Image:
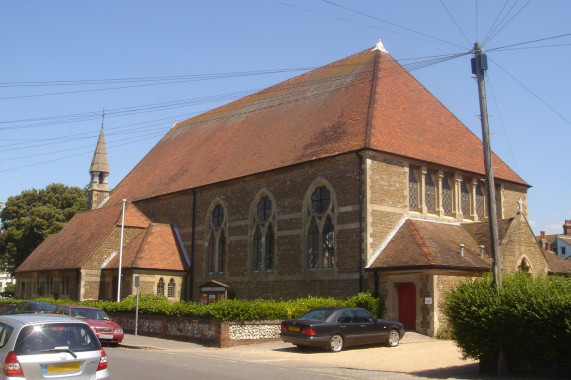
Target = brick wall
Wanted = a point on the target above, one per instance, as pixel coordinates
(289, 189)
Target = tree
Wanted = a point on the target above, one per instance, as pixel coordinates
(28, 218)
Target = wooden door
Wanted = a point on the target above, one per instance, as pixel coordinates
(407, 305)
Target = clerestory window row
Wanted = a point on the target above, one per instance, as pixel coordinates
(446, 195)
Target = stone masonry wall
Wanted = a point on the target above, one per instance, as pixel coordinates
(288, 188)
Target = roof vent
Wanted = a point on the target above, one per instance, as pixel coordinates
(461, 249)
(481, 251)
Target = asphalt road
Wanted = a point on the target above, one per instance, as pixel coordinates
(417, 357)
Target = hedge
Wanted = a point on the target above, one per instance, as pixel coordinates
(228, 310)
(528, 317)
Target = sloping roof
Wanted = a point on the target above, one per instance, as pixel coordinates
(73, 245)
(556, 264)
(365, 101)
(425, 244)
(156, 249)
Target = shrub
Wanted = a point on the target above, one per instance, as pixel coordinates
(230, 309)
(529, 316)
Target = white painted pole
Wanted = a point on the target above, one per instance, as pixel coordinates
(121, 253)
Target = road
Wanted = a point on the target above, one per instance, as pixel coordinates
(423, 360)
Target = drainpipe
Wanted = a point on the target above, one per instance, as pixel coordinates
(191, 275)
(360, 162)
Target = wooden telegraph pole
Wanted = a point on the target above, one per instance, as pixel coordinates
(479, 65)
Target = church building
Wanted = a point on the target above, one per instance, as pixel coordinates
(351, 177)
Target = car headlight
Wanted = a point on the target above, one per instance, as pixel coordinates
(118, 331)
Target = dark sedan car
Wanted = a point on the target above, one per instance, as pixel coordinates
(337, 327)
(32, 307)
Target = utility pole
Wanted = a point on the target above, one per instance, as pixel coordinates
(479, 65)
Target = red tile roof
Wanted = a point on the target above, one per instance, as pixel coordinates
(156, 248)
(365, 101)
(74, 244)
(425, 244)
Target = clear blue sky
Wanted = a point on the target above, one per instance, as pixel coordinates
(151, 63)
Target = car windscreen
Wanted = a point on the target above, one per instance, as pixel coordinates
(52, 336)
(45, 307)
(88, 313)
(316, 315)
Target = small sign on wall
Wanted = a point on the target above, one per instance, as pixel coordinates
(428, 300)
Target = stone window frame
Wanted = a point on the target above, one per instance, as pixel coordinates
(161, 287)
(171, 288)
(315, 223)
(263, 242)
(471, 206)
(216, 238)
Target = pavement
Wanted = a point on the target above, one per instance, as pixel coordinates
(150, 343)
(417, 355)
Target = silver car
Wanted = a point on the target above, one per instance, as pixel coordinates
(47, 346)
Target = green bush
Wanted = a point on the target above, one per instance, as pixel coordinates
(529, 316)
(228, 310)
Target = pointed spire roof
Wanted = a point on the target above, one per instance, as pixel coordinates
(366, 101)
(99, 162)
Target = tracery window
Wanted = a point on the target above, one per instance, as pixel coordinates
(263, 242)
(320, 230)
(161, 287)
(412, 191)
(479, 202)
(217, 240)
(170, 288)
(465, 200)
(446, 197)
(430, 191)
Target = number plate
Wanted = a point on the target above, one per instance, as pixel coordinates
(291, 328)
(62, 367)
(106, 336)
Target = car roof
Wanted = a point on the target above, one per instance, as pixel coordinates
(81, 307)
(32, 319)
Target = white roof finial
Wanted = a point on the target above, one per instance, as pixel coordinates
(380, 47)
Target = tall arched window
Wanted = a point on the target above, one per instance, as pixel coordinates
(161, 287)
(320, 230)
(446, 197)
(412, 191)
(430, 194)
(479, 202)
(216, 239)
(263, 244)
(465, 200)
(170, 288)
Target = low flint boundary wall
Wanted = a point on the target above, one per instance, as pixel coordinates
(202, 331)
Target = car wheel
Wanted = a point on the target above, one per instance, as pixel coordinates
(394, 338)
(336, 343)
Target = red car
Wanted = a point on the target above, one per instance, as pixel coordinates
(104, 328)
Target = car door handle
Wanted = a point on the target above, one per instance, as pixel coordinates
(343, 326)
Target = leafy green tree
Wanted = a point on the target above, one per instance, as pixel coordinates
(28, 218)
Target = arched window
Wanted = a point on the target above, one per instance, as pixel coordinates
(263, 244)
(412, 191)
(465, 200)
(525, 266)
(479, 202)
(430, 194)
(170, 288)
(446, 197)
(320, 230)
(216, 238)
(161, 287)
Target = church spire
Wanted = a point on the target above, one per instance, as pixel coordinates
(98, 189)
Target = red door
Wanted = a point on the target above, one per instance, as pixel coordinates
(407, 305)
